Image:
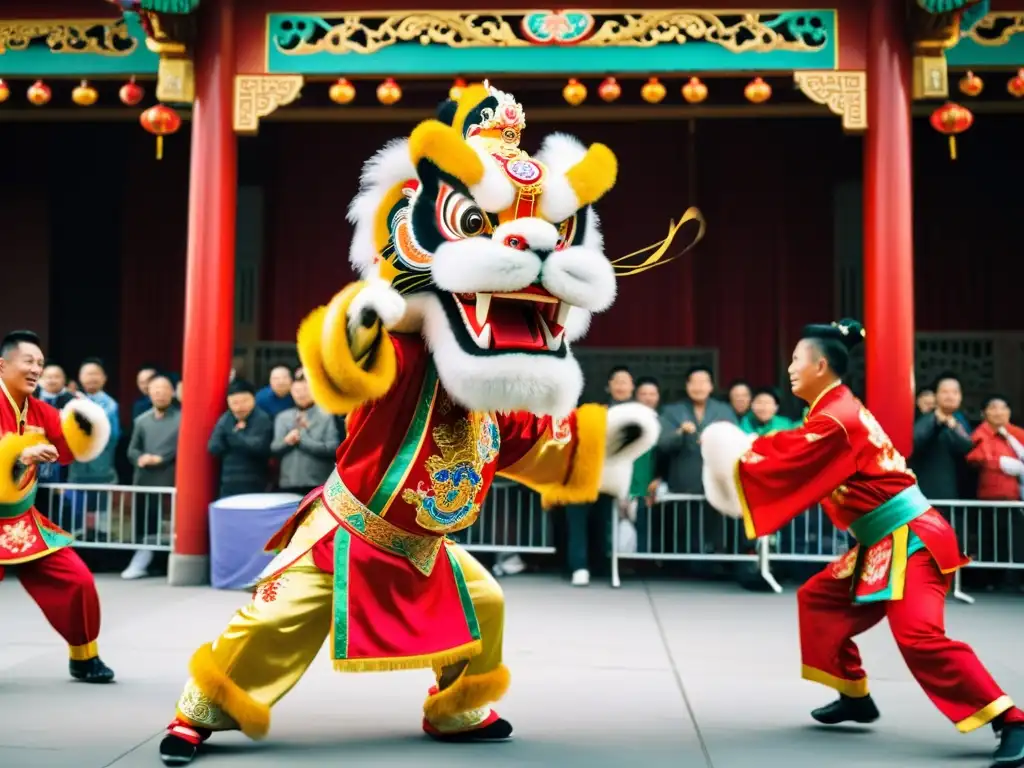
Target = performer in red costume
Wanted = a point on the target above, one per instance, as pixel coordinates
(31, 547)
(901, 568)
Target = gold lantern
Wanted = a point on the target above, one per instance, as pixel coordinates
(84, 94)
(574, 92)
(695, 91)
(39, 93)
(653, 91)
(342, 92)
(757, 91)
(609, 90)
(1015, 87)
(5, 92)
(388, 92)
(971, 85)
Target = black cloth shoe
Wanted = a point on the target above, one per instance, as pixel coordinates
(1010, 753)
(846, 709)
(175, 750)
(91, 671)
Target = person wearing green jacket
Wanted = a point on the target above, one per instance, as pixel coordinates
(763, 417)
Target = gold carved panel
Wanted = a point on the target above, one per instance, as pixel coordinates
(257, 96)
(97, 36)
(844, 93)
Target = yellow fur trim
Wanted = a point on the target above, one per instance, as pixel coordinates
(749, 527)
(381, 230)
(584, 478)
(470, 98)
(84, 652)
(985, 715)
(11, 447)
(444, 147)
(424, 661)
(339, 383)
(594, 175)
(467, 693)
(253, 717)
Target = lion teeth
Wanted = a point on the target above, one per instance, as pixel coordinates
(563, 313)
(484, 339)
(554, 342)
(483, 306)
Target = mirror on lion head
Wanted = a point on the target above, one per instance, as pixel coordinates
(498, 253)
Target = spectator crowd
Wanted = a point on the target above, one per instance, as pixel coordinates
(276, 437)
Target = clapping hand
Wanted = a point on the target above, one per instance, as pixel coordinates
(292, 438)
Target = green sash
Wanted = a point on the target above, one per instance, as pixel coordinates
(903, 508)
(19, 507)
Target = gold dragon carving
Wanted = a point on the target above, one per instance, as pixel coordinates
(97, 36)
(844, 93)
(997, 28)
(644, 29)
(257, 96)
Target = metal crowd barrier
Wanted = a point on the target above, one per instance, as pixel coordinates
(111, 516)
(684, 527)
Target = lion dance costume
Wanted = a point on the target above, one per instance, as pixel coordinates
(480, 265)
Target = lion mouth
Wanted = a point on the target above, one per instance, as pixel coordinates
(530, 320)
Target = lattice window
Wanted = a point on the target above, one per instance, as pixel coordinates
(971, 358)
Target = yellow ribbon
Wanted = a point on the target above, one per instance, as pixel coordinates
(660, 248)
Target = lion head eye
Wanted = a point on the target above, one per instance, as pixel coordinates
(458, 217)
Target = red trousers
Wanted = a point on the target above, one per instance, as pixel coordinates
(65, 591)
(948, 670)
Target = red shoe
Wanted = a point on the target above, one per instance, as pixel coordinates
(494, 728)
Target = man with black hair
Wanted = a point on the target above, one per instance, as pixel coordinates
(942, 440)
(92, 375)
(37, 552)
(241, 440)
(902, 566)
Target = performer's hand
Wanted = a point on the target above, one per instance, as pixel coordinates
(239, 426)
(687, 428)
(292, 438)
(43, 453)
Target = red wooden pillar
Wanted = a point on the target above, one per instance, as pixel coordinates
(888, 225)
(209, 287)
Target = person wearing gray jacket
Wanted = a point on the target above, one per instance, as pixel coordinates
(679, 446)
(305, 440)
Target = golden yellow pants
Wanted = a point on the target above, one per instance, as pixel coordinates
(270, 643)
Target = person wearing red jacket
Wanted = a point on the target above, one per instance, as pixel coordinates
(998, 454)
(902, 566)
(32, 548)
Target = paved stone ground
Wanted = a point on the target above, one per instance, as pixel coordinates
(679, 674)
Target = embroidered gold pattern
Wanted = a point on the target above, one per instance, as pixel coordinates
(420, 550)
(844, 566)
(18, 537)
(462, 721)
(200, 709)
(456, 476)
(838, 496)
(889, 459)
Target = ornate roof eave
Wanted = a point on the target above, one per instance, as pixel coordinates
(935, 26)
(170, 27)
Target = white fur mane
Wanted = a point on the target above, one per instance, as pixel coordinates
(388, 167)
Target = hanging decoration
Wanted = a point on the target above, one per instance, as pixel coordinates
(160, 120)
(131, 93)
(952, 119)
(342, 92)
(1015, 86)
(695, 91)
(388, 92)
(653, 91)
(456, 90)
(39, 93)
(5, 92)
(574, 92)
(757, 91)
(84, 94)
(971, 85)
(609, 90)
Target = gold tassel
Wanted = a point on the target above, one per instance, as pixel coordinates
(159, 147)
(952, 147)
(656, 259)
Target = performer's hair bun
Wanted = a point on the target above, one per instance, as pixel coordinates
(836, 341)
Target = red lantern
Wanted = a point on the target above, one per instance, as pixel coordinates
(609, 89)
(388, 92)
(951, 119)
(84, 94)
(131, 93)
(757, 91)
(342, 92)
(653, 91)
(455, 92)
(574, 92)
(5, 92)
(1016, 84)
(160, 120)
(695, 91)
(971, 84)
(39, 93)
